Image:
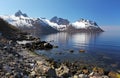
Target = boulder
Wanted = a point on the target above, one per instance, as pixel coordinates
(62, 70)
(51, 73)
(112, 74)
(48, 46)
(98, 70)
(83, 76)
(104, 76)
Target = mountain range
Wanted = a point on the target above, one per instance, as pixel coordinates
(55, 24)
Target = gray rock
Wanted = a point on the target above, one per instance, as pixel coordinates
(48, 45)
(51, 73)
(118, 71)
(83, 76)
(75, 76)
(104, 76)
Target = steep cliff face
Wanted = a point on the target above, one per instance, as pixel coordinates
(7, 29)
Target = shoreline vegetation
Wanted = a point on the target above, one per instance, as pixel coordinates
(20, 61)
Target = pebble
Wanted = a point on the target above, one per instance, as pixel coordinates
(33, 73)
(32, 64)
(104, 76)
(75, 76)
(83, 76)
(118, 71)
(81, 51)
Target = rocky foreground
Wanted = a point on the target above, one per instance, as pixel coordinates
(17, 61)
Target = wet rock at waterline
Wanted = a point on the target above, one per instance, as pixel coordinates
(39, 45)
(81, 51)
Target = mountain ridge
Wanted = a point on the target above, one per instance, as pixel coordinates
(19, 13)
(55, 24)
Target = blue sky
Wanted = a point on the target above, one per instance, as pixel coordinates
(104, 12)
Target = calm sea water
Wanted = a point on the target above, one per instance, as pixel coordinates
(102, 49)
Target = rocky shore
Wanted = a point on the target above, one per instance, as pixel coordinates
(18, 61)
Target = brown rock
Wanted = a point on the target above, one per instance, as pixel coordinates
(81, 51)
(85, 71)
(112, 74)
(98, 70)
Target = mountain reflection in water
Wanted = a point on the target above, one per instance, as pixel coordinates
(69, 40)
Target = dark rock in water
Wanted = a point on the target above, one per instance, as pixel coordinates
(55, 46)
(48, 45)
(38, 45)
(71, 51)
(43, 45)
(51, 73)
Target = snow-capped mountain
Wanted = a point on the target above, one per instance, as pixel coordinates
(43, 25)
(83, 23)
(61, 23)
(18, 21)
(25, 23)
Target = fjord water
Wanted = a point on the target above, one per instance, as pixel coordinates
(101, 49)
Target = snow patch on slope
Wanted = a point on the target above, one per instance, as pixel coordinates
(84, 24)
(79, 25)
(55, 25)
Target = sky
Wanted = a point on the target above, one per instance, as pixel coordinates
(104, 12)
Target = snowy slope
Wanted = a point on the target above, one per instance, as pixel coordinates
(17, 21)
(83, 23)
(55, 25)
(22, 21)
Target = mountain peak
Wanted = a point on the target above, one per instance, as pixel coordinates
(19, 13)
(83, 20)
(88, 21)
(60, 21)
